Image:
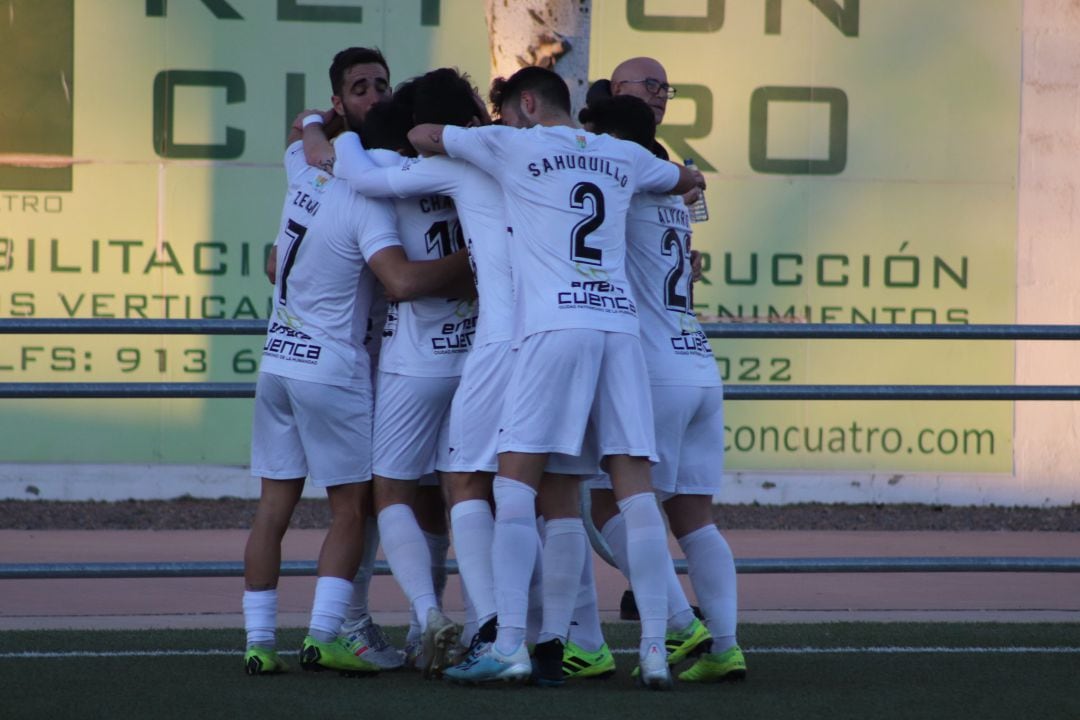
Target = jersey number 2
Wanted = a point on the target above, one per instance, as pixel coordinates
(580, 251)
(671, 244)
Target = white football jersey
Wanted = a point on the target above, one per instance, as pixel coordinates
(429, 336)
(324, 286)
(567, 193)
(658, 265)
(480, 209)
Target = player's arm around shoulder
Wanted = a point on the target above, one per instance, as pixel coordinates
(316, 129)
(406, 279)
(655, 174)
(427, 138)
(689, 179)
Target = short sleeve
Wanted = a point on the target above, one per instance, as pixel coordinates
(295, 162)
(378, 229)
(652, 173)
(486, 147)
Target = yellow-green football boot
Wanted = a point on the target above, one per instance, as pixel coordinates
(580, 663)
(263, 661)
(727, 666)
(682, 643)
(334, 655)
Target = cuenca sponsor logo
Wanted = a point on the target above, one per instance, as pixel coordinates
(600, 295)
(284, 349)
(278, 329)
(693, 343)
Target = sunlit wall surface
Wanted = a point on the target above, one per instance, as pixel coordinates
(861, 157)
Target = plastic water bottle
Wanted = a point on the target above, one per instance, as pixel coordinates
(699, 211)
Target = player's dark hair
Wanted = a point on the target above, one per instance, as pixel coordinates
(387, 123)
(542, 82)
(405, 93)
(599, 90)
(623, 116)
(444, 96)
(353, 56)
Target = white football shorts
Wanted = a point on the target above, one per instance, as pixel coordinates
(565, 381)
(412, 421)
(477, 408)
(476, 412)
(689, 441)
(308, 429)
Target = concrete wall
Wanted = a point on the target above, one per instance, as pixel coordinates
(1047, 441)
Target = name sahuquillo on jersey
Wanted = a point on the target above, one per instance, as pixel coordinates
(598, 165)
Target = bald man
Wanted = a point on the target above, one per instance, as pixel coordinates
(644, 78)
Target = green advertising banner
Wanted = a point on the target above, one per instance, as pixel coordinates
(862, 161)
(167, 120)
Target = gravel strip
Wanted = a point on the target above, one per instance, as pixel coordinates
(200, 514)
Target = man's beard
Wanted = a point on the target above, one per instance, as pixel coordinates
(352, 122)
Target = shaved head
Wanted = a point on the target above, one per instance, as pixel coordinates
(638, 68)
(629, 77)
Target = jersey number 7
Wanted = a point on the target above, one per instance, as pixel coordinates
(296, 233)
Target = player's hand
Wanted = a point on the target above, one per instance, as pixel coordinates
(699, 179)
(696, 265)
(327, 116)
(691, 197)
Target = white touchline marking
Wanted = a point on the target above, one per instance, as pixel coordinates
(847, 650)
(889, 650)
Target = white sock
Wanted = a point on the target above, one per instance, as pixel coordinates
(474, 534)
(614, 532)
(564, 552)
(712, 572)
(328, 610)
(412, 637)
(260, 618)
(358, 606)
(648, 557)
(513, 555)
(470, 626)
(585, 628)
(535, 617)
(410, 560)
(438, 546)
(680, 614)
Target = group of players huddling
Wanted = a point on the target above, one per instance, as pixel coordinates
(540, 333)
